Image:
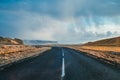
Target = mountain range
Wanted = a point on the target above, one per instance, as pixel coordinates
(39, 42)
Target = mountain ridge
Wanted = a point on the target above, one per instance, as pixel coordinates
(115, 41)
(39, 42)
(10, 41)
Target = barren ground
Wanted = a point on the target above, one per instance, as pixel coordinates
(107, 54)
(13, 53)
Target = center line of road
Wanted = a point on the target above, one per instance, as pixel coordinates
(63, 65)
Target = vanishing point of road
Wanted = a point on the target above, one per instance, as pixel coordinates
(60, 64)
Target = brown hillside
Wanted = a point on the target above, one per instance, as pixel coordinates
(10, 41)
(105, 42)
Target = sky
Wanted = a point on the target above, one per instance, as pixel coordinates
(65, 21)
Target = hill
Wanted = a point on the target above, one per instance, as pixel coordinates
(105, 42)
(10, 41)
(39, 42)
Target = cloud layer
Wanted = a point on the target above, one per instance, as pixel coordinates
(67, 21)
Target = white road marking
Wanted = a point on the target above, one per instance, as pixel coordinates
(63, 65)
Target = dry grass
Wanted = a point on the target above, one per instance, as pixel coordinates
(105, 42)
(111, 54)
(9, 54)
(102, 48)
(5, 49)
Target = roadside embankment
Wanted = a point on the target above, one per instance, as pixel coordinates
(110, 55)
(103, 48)
(13, 53)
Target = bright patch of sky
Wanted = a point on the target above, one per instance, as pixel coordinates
(66, 21)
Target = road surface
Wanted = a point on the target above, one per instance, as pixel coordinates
(59, 64)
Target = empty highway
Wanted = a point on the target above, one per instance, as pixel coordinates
(59, 64)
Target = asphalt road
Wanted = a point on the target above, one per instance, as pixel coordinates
(60, 64)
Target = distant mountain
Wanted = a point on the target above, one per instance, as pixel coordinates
(106, 42)
(10, 41)
(39, 42)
